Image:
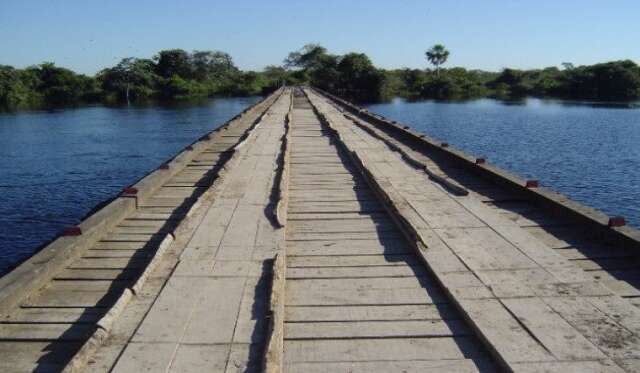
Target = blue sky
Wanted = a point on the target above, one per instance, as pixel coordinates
(89, 35)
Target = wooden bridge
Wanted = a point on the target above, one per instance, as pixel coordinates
(309, 235)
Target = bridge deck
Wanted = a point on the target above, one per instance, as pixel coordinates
(387, 267)
(357, 297)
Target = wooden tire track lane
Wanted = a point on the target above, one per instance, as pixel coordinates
(211, 312)
(92, 281)
(534, 310)
(357, 298)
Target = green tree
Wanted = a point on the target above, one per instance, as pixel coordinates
(131, 78)
(173, 62)
(510, 83)
(437, 55)
(209, 65)
(310, 56)
(59, 86)
(616, 80)
(13, 92)
(358, 78)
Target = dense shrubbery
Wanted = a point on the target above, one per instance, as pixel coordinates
(177, 74)
(454, 83)
(611, 81)
(353, 76)
(44, 84)
(171, 74)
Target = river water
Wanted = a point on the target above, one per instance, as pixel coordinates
(56, 166)
(589, 152)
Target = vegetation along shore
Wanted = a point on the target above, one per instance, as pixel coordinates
(177, 74)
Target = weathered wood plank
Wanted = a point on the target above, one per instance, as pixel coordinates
(371, 313)
(375, 329)
(348, 273)
(405, 366)
(380, 349)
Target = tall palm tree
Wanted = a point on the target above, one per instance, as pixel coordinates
(437, 55)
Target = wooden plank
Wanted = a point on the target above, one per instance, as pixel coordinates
(365, 297)
(144, 223)
(551, 330)
(311, 217)
(483, 249)
(342, 236)
(619, 309)
(337, 226)
(103, 245)
(199, 300)
(213, 320)
(141, 230)
(348, 273)
(165, 202)
(380, 349)
(146, 357)
(104, 286)
(375, 329)
(48, 332)
(67, 298)
(502, 332)
(55, 315)
(122, 254)
(604, 332)
(346, 206)
(200, 358)
(97, 274)
(445, 213)
(243, 227)
(216, 220)
(568, 367)
(371, 313)
(379, 283)
(128, 238)
(404, 366)
(108, 263)
(36, 356)
(352, 261)
(353, 247)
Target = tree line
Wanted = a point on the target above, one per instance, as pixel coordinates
(169, 75)
(177, 74)
(354, 76)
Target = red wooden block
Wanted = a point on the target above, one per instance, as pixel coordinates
(532, 184)
(617, 221)
(72, 231)
(480, 161)
(164, 167)
(130, 191)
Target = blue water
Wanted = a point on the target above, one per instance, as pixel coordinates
(56, 166)
(589, 152)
